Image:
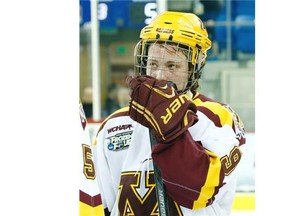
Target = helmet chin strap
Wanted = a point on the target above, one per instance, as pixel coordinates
(172, 84)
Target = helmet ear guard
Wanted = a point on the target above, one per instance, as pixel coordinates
(199, 62)
(141, 57)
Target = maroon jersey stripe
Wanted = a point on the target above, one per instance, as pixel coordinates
(90, 200)
(212, 116)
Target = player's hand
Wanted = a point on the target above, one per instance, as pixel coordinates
(156, 105)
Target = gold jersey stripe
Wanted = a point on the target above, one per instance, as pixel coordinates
(114, 114)
(212, 180)
(87, 210)
(244, 201)
(224, 115)
(121, 110)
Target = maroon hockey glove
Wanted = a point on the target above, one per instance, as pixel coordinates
(156, 105)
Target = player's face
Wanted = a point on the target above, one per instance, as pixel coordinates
(166, 62)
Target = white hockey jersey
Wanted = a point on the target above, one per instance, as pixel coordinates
(198, 168)
(90, 203)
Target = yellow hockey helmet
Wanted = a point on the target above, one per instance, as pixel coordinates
(184, 29)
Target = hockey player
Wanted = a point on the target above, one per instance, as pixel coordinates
(89, 196)
(198, 140)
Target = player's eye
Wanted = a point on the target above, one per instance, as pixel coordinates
(172, 66)
(152, 65)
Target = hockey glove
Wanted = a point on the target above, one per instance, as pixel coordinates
(156, 105)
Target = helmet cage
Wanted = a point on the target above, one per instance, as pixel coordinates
(195, 60)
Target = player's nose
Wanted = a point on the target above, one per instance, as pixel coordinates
(160, 74)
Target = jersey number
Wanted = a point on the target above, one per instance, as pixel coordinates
(88, 165)
(230, 162)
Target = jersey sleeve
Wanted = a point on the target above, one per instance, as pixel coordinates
(191, 174)
(200, 162)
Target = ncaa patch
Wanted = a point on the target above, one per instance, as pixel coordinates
(119, 141)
